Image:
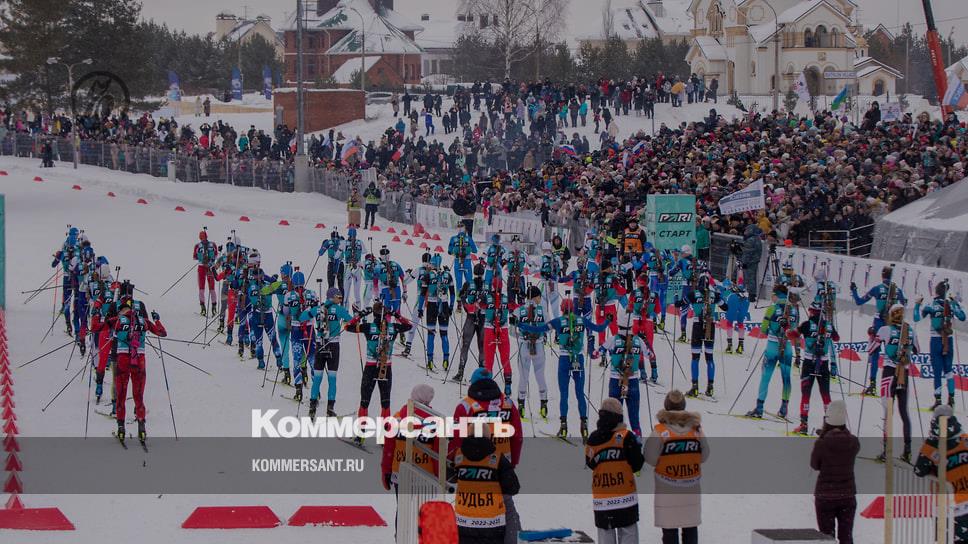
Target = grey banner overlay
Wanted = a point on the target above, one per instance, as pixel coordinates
(548, 466)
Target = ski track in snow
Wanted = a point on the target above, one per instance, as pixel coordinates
(152, 243)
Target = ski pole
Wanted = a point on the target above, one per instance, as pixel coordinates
(83, 368)
(90, 375)
(46, 354)
(53, 322)
(35, 292)
(184, 341)
(71, 356)
(177, 358)
(747, 382)
(164, 372)
(313, 269)
(207, 325)
(179, 279)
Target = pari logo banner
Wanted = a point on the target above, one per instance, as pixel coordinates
(671, 220)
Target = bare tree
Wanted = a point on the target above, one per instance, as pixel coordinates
(608, 20)
(517, 27)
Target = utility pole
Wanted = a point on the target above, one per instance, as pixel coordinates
(75, 141)
(301, 165)
(776, 58)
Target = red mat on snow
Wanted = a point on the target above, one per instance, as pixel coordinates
(337, 516)
(232, 517)
(905, 506)
(35, 519)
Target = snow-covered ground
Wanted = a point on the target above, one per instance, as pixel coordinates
(152, 243)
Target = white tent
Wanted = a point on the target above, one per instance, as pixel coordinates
(931, 231)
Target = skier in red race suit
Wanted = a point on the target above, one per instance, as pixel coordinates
(205, 253)
(130, 326)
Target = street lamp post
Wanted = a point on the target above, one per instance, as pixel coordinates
(362, 48)
(70, 88)
(776, 58)
(301, 164)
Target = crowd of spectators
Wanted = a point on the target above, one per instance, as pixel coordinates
(510, 143)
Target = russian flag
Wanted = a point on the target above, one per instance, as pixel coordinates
(568, 150)
(349, 149)
(638, 148)
(397, 154)
(955, 95)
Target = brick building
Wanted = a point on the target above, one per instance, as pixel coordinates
(333, 37)
(325, 108)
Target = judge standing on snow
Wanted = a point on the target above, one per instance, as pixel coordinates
(834, 454)
(678, 470)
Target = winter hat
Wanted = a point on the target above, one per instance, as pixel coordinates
(837, 414)
(675, 400)
(481, 374)
(612, 405)
(422, 393)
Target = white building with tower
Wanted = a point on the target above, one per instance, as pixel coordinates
(741, 42)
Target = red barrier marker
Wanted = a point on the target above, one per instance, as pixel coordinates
(423, 245)
(426, 236)
(284, 223)
(13, 503)
(409, 242)
(232, 517)
(244, 219)
(8, 414)
(13, 463)
(10, 443)
(337, 516)
(111, 194)
(10, 427)
(76, 187)
(38, 178)
(3, 172)
(13, 484)
(320, 225)
(391, 230)
(142, 201)
(439, 249)
(404, 232)
(209, 213)
(435, 237)
(179, 209)
(849, 354)
(396, 239)
(375, 228)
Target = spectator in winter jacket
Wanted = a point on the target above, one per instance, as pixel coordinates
(371, 199)
(957, 470)
(614, 455)
(678, 496)
(834, 454)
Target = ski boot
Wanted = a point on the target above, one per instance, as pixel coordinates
(782, 412)
(221, 326)
(262, 365)
(693, 391)
(802, 428)
(214, 310)
(882, 458)
(228, 336)
(682, 338)
(906, 454)
(430, 365)
(563, 431)
(710, 392)
(331, 408)
(871, 390)
(756, 413)
(312, 409)
(661, 325)
(99, 387)
(203, 313)
(286, 377)
(459, 377)
(951, 402)
(406, 351)
(120, 431)
(796, 361)
(655, 375)
(729, 346)
(82, 345)
(584, 429)
(252, 354)
(521, 408)
(507, 386)
(543, 409)
(937, 402)
(241, 351)
(739, 347)
(298, 395)
(445, 364)
(70, 331)
(142, 434)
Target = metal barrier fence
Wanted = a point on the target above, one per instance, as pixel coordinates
(856, 242)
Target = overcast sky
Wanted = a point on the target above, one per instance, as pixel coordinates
(198, 17)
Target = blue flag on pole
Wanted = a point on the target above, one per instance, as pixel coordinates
(267, 82)
(236, 84)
